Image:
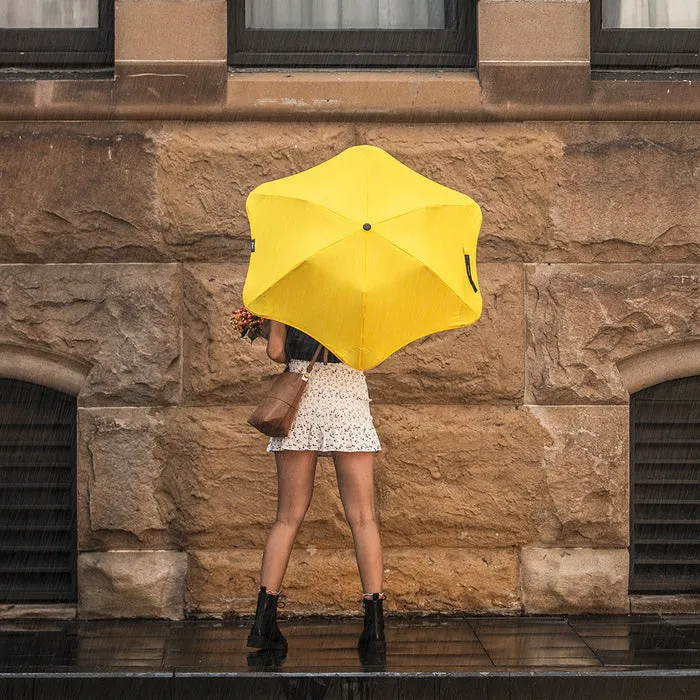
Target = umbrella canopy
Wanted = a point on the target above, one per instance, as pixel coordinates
(363, 254)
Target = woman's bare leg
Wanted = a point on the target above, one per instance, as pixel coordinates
(296, 470)
(355, 474)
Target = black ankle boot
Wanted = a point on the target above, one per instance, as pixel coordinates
(265, 633)
(372, 637)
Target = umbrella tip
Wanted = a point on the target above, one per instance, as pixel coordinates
(367, 227)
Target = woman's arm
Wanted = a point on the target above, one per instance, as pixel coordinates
(275, 341)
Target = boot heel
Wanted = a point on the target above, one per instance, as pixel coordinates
(256, 640)
(265, 633)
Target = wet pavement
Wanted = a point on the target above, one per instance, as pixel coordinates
(642, 656)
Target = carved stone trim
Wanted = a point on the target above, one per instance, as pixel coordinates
(49, 369)
(660, 365)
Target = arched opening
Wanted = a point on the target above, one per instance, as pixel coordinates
(37, 493)
(665, 487)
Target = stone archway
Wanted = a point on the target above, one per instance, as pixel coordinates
(39, 366)
(654, 371)
(659, 365)
(38, 423)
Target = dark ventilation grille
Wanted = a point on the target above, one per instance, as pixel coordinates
(665, 486)
(37, 494)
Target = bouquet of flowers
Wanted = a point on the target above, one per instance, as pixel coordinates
(247, 324)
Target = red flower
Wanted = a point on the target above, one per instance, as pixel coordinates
(246, 323)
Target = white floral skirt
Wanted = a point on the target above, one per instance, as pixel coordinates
(333, 414)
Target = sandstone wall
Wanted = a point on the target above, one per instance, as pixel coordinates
(503, 483)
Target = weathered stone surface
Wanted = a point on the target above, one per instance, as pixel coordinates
(227, 581)
(566, 192)
(415, 580)
(574, 580)
(586, 469)
(511, 171)
(206, 171)
(123, 319)
(462, 476)
(78, 193)
(549, 192)
(190, 477)
(497, 476)
(199, 477)
(582, 319)
(218, 487)
(481, 363)
(627, 192)
(220, 366)
(452, 580)
(118, 467)
(131, 584)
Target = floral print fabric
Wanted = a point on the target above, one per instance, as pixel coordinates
(333, 414)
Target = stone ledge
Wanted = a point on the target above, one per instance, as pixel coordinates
(672, 604)
(208, 90)
(50, 611)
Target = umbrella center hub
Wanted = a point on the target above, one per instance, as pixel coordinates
(367, 227)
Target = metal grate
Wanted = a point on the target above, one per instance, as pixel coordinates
(665, 487)
(37, 494)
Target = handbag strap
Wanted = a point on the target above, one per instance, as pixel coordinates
(314, 358)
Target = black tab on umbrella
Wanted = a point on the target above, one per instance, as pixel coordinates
(469, 272)
(252, 245)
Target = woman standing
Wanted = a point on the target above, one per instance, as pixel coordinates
(333, 419)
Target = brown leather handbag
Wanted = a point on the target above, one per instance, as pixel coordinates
(275, 414)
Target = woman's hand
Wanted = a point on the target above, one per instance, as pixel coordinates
(276, 336)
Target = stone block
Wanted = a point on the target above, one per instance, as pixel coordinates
(583, 319)
(483, 476)
(671, 604)
(163, 30)
(565, 192)
(220, 366)
(188, 477)
(446, 579)
(206, 171)
(574, 580)
(118, 467)
(131, 584)
(416, 580)
(586, 468)
(462, 476)
(534, 31)
(78, 193)
(124, 320)
(227, 582)
(627, 192)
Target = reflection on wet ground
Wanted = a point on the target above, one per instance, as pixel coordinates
(329, 645)
(472, 649)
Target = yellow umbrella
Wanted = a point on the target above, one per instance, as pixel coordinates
(363, 254)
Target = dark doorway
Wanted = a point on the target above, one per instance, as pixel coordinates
(37, 494)
(665, 487)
